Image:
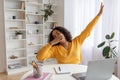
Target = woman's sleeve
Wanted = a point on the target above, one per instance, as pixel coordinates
(45, 53)
(86, 32)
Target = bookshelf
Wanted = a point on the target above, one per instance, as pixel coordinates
(25, 31)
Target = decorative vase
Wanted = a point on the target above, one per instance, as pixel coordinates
(19, 36)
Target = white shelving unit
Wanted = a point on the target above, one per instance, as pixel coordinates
(26, 17)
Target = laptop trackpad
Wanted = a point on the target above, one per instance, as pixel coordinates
(79, 76)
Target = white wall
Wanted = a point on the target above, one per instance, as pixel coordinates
(60, 12)
(2, 39)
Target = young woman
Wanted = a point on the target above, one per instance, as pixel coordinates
(62, 47)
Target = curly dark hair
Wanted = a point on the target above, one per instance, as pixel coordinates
(64, 31)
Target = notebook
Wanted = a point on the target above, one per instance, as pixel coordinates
(62, 70)
(97, 70)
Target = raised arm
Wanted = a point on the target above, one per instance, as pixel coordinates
(90, 26)
(101, 10)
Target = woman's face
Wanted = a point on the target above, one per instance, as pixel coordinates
(58, 34)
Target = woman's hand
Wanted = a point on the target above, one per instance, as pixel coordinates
(56, 40)
(101, 9)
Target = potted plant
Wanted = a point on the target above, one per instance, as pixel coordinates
(109, 50)
(48, 11)
(18, 34)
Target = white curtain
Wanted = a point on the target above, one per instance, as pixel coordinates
(78, 13)
(111, 22)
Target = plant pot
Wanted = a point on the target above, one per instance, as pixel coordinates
(19, 36)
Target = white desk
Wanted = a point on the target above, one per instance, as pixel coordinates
(74, 68)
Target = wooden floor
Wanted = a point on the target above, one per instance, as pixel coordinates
(4, 76)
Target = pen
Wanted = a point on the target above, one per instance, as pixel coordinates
(59, 69)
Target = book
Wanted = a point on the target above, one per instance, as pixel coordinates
(45, 76)
(23, 5)
(62, 70)
(14, 66)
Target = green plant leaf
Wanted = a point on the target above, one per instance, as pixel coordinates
(112, 35)
(101, 44)
(106, 51)
(107, 36)
(48, 11)
(18, 32)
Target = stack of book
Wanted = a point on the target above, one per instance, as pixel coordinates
(14, 66)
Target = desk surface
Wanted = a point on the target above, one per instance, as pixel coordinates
(74, 68)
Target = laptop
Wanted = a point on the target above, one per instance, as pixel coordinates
(97, 70)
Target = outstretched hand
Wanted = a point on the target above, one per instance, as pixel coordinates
(101, 9)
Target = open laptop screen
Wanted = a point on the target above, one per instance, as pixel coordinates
(98, 70)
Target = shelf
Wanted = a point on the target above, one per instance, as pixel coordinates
(16, 40)
(15, 0)
(17, 70)
(48, 4)
(34, 3)
(15, 10)
(50, 21)
(34, 24)
(15, 20)
(21, 58)
(34, 45)
(33, 14)
(18, 49)
(35, 35)
(16, 29)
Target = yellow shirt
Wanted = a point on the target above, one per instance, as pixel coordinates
(71, 56)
